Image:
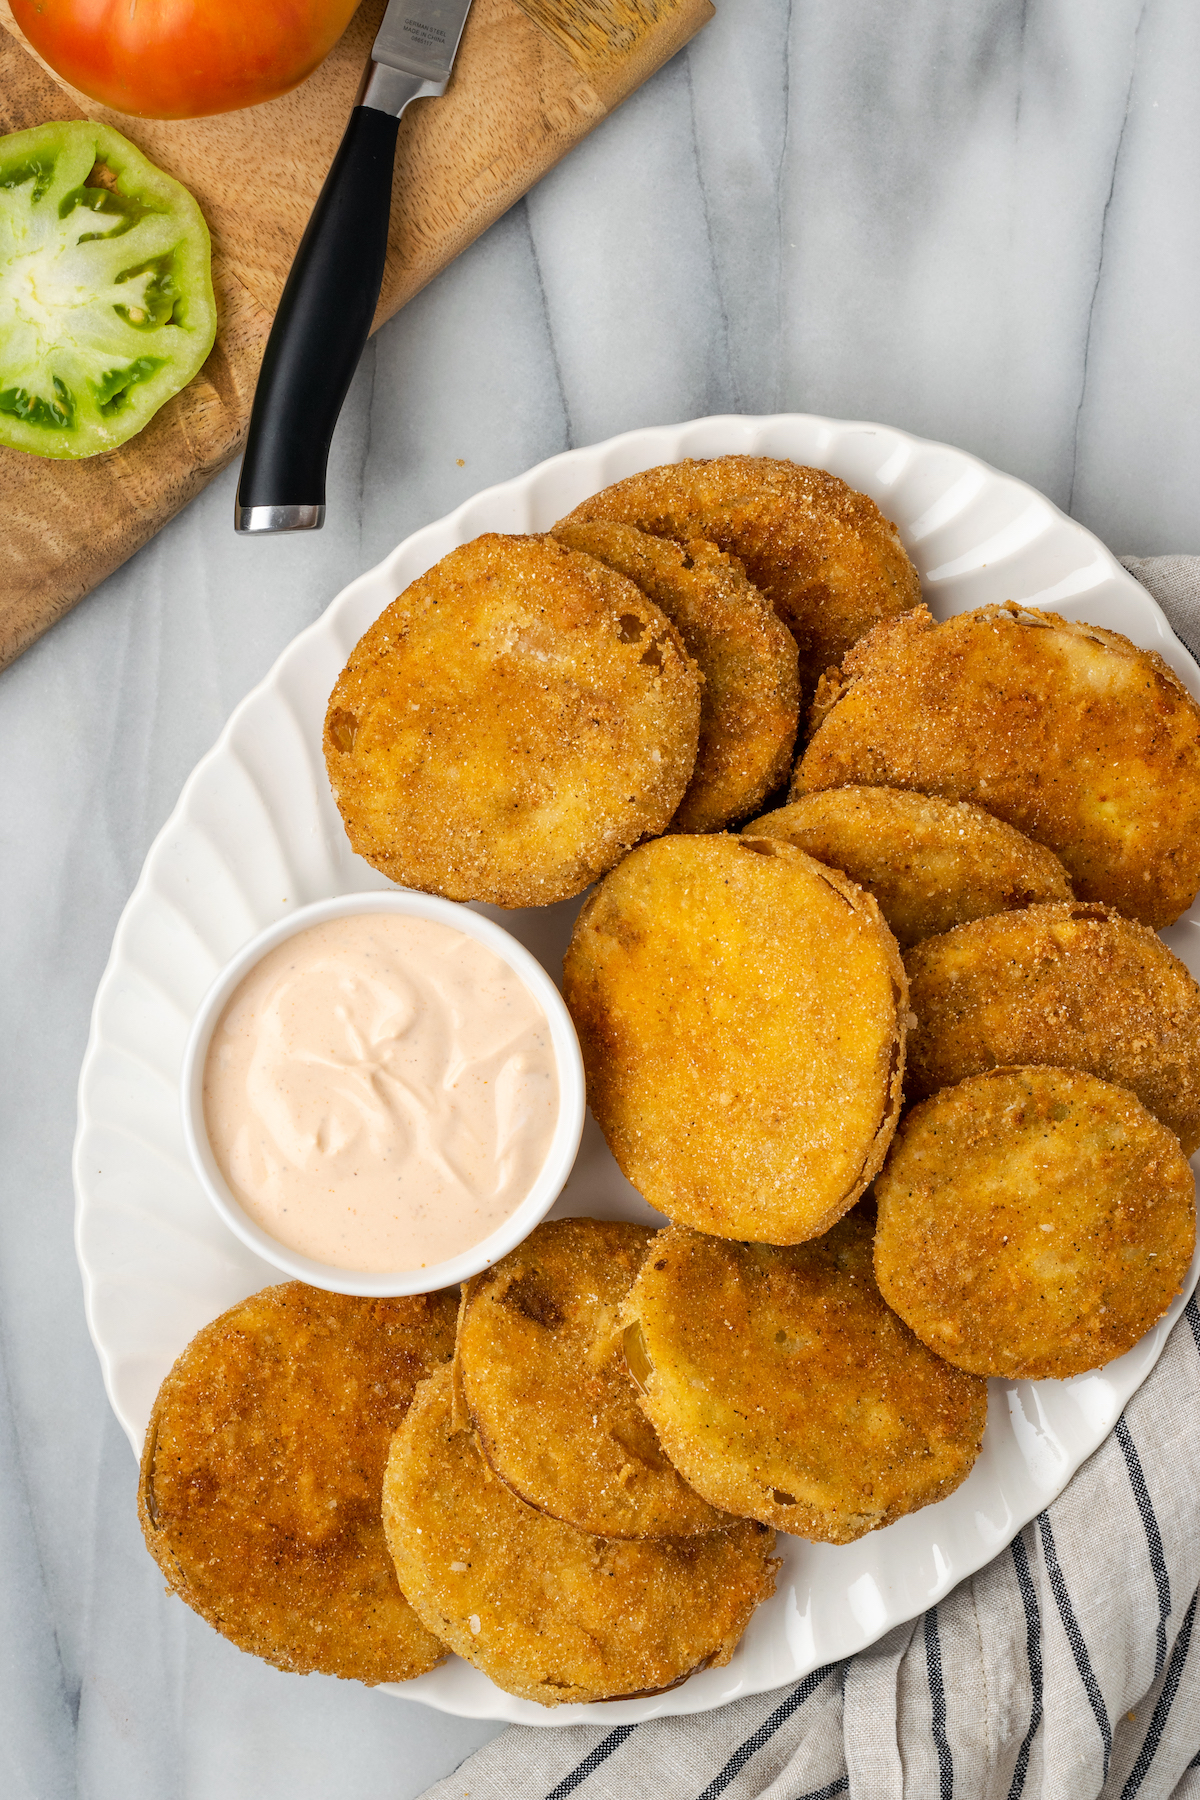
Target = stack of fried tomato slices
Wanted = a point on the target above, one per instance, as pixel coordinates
(903, 1062)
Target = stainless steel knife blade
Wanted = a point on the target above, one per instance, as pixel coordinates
(413, 52)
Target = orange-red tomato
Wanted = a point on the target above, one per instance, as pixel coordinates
(182, 59)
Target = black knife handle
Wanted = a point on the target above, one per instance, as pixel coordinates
(323, 322)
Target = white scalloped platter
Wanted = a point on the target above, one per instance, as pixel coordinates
(256, 834)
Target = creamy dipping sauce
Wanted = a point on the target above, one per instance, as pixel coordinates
(380, 1092)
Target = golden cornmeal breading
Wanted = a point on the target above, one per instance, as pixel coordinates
(509, 726)
(741, 1011)
(548, 1612)
(750, 705)
(930, 863)
(1073, 985)
(826, 558)
(543, 1375)
(1075, 736)
(784, 1388)
(262, 1473)
(1033, 1222)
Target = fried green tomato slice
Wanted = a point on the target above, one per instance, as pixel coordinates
(543, 1374)
(741, 1011)
(750, 705)
(262, 1473)
(1085, 743)
(1033, 1222)
(548, 1612)
(785, 1390)
(1073, 985)
(106, 296)
(931, 864)
(824, 555)
(516, 720)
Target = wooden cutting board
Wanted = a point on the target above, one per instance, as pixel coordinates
(532, 78)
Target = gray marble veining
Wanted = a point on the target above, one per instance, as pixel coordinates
(978, 221)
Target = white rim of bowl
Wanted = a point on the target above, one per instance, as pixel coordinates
(552, 1176)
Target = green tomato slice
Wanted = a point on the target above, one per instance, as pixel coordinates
(106, 298)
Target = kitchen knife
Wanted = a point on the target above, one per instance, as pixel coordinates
(325, 313)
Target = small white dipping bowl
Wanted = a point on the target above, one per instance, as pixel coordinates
(554, 1171)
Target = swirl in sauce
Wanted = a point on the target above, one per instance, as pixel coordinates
(380, 1092)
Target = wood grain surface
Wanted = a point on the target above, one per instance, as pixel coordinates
(530, 81)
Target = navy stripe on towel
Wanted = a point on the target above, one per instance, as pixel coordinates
(1154, 1543)
(765, 1732)
(937, 1704)
(828, 1793)
(1066, 1613)
(1170, 1688)
(591, 1762)
(1191, 1313)
(1033, 1652)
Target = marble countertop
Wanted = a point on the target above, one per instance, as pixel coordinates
(981, 223)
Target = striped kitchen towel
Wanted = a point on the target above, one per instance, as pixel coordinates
(1068, 1669)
